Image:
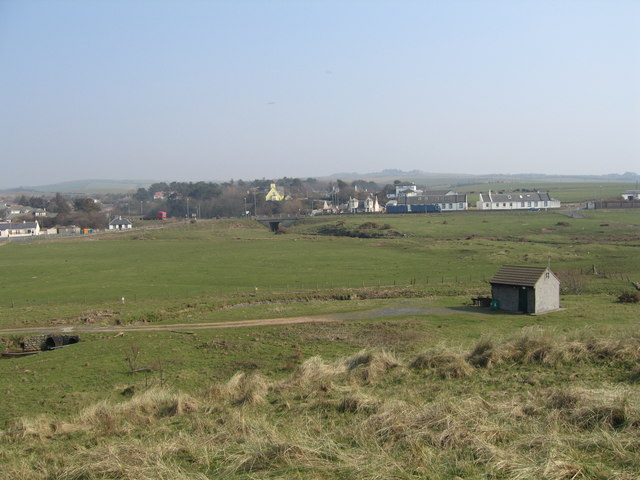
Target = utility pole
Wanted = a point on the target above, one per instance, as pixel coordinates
(255, 206)
(187, 206)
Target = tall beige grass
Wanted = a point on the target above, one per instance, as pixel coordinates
(366, 417)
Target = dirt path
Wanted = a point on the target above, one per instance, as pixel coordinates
(178, 327)
(263, 322)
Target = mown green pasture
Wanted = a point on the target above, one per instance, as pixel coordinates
(445, 253)
(237, 269)
(564, 191)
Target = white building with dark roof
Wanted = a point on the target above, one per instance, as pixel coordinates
(19, 229)
(120, 224)
(516, 201)
(631, 195)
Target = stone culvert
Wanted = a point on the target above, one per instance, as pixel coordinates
(47, 342)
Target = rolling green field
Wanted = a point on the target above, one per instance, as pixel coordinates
(311, 408)
(235, 256)
(568, 192)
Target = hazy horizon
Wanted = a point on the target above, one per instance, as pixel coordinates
(250, 89)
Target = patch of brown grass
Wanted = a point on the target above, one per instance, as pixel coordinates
(369, 365)
(444, 363)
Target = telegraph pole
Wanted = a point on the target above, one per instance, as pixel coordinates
(255, 206)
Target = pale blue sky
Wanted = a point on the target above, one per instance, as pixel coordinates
(213, 90)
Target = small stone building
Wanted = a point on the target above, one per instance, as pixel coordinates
(525, 289)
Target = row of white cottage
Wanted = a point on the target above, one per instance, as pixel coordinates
(454, 201)
(29, 229)
(516, 201)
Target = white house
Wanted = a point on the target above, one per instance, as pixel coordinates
(631, 195)
(120, 224)
(19, 229)
(409, 190)
(368, 205)
(371, 205)
(516, 201)
(449, 201)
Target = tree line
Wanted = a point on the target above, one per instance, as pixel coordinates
(203, 200)
(84, 212)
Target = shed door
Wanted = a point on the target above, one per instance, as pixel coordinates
(522, 299)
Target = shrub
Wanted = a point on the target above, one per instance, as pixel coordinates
(629, 297)
(368, 225)
(573, 281)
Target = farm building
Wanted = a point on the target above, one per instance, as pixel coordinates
(525, 289)
(120, 224)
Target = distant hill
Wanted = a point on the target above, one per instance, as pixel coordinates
(428, 178)
(85, 186)
(385, 176)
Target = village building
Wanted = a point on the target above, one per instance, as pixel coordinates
(325, 208)
(516, 201)
(368, 205)
(68, 229)
(631, 195)
(19, 229)
(441, 201)
(525, 289)
(276, 194)
(163, 195)
(407, 190)
(120, 224)
(371, 205)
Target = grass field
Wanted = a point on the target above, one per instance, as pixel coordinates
(564, 191)
(442, 390)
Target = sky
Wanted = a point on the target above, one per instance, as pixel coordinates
(191, 90)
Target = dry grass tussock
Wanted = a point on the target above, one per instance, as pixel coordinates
(359, 402)
(132, 460)
(241, 389)
(443, 362)
(367, 423)
(268, 448)
(537, 346)
(369, 365)
(312, 376)
(611, 408)
(142, 409)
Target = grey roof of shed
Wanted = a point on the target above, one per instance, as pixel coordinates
(518, 275)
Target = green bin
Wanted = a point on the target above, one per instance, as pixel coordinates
(495, 304)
